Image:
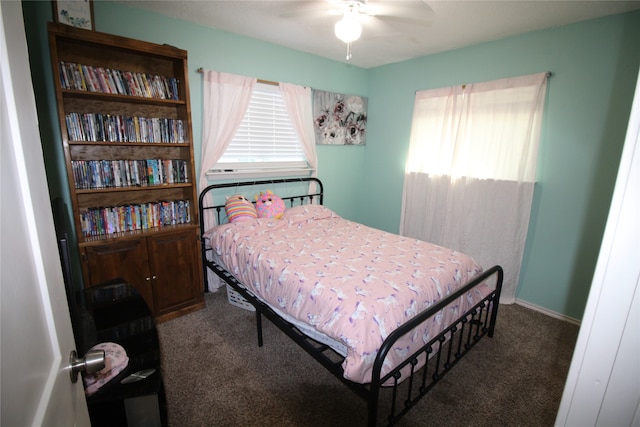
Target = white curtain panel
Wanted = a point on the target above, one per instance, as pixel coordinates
(298, 101)
(471, 167)
(226, 97)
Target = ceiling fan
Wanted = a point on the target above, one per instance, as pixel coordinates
(357, 13)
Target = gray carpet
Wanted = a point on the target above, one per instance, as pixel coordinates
(216, 375)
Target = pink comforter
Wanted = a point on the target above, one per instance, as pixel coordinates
(351, 282)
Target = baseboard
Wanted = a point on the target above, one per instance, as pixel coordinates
(547, 312)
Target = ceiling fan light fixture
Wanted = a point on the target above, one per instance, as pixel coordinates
(348, 29)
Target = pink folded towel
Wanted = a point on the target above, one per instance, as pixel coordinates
(114, 362)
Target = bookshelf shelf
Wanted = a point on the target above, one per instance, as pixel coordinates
(129, 189)
(132, 144)
(125, 123)
(129, 99)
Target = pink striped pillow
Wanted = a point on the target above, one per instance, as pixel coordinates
(239, 208)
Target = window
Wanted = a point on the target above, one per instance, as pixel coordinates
(484, 134)
(266, 142)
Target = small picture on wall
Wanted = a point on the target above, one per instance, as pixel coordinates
(339, 119)
(77, 13)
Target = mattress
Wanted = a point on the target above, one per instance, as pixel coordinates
(350, 283)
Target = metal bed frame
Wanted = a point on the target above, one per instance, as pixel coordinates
(405, 390)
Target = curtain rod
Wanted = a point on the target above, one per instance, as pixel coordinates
(464, 85)
(266, 82)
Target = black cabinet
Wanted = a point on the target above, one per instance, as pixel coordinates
(116, 312)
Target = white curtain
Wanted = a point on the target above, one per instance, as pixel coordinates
(298, 101)
(471, 167)
(226, 97)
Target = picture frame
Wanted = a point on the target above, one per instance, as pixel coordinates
(339, 119)
(76, 13)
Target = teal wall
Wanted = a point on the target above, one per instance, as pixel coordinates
(594, 65)
(589, 99)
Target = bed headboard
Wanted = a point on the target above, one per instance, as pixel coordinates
(292, 191)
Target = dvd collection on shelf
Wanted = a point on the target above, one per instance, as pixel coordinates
(118, 219)
(109, 80)
(97, 174)
(100, 127)
(112, 128)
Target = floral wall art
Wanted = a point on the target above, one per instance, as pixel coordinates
(339, 119)
(77, 13)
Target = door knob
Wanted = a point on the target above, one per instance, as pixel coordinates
(92, 362)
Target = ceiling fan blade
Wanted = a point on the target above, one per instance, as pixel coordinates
(416, 12)
(315, 8)
(405, 20)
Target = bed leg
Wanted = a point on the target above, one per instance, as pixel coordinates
(206, 281)
(372, 410)
(494, 315)
(259, 326)
(496, 300)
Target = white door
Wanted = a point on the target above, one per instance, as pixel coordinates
(36, 335)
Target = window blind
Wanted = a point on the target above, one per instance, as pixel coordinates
(265, 136)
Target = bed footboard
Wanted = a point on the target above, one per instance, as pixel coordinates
(441, 353)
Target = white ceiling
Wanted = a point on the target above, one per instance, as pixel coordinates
(307, 25)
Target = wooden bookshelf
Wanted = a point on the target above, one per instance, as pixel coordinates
(123, 104)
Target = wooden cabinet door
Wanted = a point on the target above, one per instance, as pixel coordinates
(175, 265)
(127, 260)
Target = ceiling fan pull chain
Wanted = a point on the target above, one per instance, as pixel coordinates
(348, 51)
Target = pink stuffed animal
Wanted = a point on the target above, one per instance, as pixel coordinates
(268, 205)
